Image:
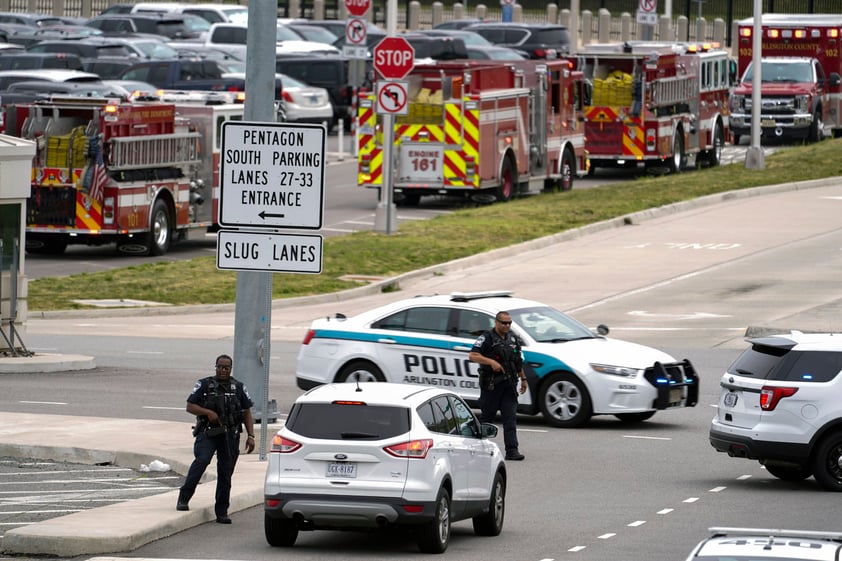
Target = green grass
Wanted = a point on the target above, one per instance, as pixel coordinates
(420, 244)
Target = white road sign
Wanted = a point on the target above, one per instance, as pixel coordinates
(392, 97)
(260, 251)
(272, 175)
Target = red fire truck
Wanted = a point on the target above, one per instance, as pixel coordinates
(663, 105)
(801, 65)
(138, 174)
(482, 130)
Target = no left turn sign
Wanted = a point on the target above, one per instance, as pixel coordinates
(392, 98)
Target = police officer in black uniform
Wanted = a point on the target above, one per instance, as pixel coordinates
(222, 406)
(498, 353)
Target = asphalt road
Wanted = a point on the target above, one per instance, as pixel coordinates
(688, 283)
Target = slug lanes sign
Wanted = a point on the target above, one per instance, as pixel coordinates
(271, 175)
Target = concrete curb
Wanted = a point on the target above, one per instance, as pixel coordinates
(45, 363)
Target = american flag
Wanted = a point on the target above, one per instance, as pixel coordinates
(98, 175)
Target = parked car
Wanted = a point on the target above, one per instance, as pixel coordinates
(64, 31)
(32, 20)
(165, 25)
(217, 13)
(69, 89)
(28, 61)
(470, 38)
(135, 89)
(335, 73)
(753, 544)
(183, 74)
(778, 405)
(8, 77)
(494, 52)
(375, 456)
(572, 372)
(305, 103)
(435, 48)
(537, 40)
(458, 23)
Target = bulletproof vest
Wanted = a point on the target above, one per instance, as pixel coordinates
(223, 399)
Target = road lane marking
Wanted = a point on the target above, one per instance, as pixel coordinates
(576, 548)
(717, 489)
(665, 511)
(606, 536)
(690, 500)
(44, 402)
(743, 477)
(646, 437)
(637, 523)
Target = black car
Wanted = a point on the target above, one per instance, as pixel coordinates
(335, 73)
(165, 25)
(537, 40)
(29, 61)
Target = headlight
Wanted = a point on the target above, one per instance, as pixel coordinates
(625, 371)
(737, 102)
(802, 103)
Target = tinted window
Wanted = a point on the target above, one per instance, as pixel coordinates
(465, 419)
(349, 422)
(551, 37)
(808, 367)
(445, 421)
(472, 324)
(209, 15)
(418, 320)
(515, 36)
(493, 35)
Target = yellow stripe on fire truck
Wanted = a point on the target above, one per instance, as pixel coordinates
(634, 141)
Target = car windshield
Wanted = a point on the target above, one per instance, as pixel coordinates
(548, 325)
(284, 33)
(290, 82)
(237, 15)
(156, 49)
(352, 421)
(781, 72)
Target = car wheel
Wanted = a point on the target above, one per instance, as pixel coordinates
(568, 171)
(827, 462)
(632, 418)
(789, 472)
(280, 532)
(491, 523)
(48, 245)
(565, 401)
(816, 133)
(678, 159)
(434, 536)
(360, 371)
(714, 155)
(154, 242)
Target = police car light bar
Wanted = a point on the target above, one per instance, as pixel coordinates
(467, 296)
(726, 531)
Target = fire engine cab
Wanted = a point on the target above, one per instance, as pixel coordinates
(138, 174)
(663, 105)
(481, 130)
(801, 77)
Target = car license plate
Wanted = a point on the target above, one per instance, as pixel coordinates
(342, 469)
(730, 400)
(767, 123)
(675, 396)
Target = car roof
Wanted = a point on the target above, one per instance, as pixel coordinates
(766, 543)
(52, 74)
(516, 25)
(490, 302)
(371, 393)
(798, 340)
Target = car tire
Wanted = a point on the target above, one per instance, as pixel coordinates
(434, 536)
(827, 462)
(280, 532)
(360, 371)
(508, 181)
(634, 418)
(714, 155)
(491, 523)
(789, 472)
(678, 159)
(564, 401)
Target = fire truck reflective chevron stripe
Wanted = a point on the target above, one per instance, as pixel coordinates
(88, 213)
(633, 138)
(370, 159)
(429, 133)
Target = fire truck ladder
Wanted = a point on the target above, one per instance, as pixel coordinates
(157, 150)
(671, 91)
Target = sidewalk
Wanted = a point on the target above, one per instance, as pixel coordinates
(125, 526)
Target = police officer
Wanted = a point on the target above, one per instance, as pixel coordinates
(222, 406)
(497, 351)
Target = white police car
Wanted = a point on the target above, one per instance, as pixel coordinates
(573, 373)
(365, 456)
(753, 544)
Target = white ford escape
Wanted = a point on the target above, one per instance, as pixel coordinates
(378, 455)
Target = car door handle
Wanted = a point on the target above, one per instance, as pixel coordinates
(387, 341)
(462, 348)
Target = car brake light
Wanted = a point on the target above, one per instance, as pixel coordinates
(287, 97)
(771, 395)
(414, 449)
(309, 336)
(281, 445)
(540, 53)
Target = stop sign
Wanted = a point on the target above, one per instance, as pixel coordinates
(393, 58)
(357, 7)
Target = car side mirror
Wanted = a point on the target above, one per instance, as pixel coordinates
(835, 79)
(602, 329)
(488, 430)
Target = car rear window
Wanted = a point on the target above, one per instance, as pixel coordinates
(773, 363)
(551, 37)
(335, 421)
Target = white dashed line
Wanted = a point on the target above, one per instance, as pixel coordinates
(717, 489)
(743, 477)
(646, 437)
(44, 402)
(665, 511)
(637, 523)
(606, 536)
(691, 500)
(577, 548)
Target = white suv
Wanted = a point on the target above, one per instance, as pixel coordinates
(378, 455)
(780, 404)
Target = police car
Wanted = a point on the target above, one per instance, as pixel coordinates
(752, 544)
(572, 372)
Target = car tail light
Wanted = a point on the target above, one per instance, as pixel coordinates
(309, 336)
(414, 449)
(771, 395)
(281, 445)
(540, 53)
(287, 97)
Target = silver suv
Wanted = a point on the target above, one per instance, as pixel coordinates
(379, 455)
(780, 404)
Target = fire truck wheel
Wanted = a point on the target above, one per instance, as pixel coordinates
(48, 245)
(568, 171)
(160, 233)
(508, 181)
(679, 158)
(816, 128)
(714, 155)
